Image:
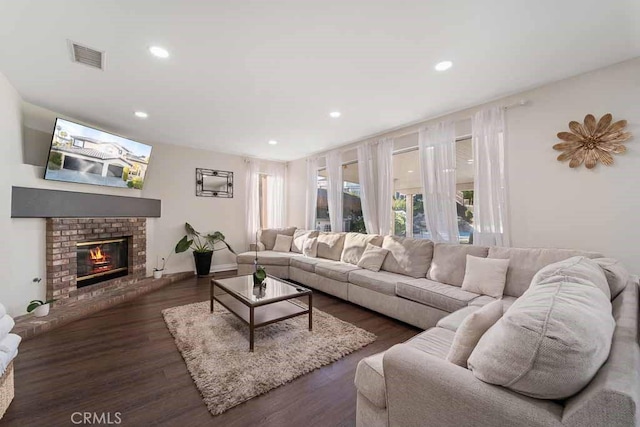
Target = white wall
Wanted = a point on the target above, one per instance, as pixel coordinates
(171, 178)
(552, 205)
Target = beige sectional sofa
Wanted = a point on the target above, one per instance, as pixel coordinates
(413, 384)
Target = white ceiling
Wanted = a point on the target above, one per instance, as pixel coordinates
(243, 72)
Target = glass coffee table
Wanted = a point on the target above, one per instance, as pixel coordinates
(261, 305)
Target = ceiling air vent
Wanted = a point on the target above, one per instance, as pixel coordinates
(87, 56)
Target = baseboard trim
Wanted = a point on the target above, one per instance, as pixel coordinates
(223, 267)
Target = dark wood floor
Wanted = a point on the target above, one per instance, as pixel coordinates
(124, 360)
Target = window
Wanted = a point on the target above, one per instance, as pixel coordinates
(351, 203)
(322, 211)
(408, 209)
(262, 195)
(408, 204)
(352, 217)
(465, 174)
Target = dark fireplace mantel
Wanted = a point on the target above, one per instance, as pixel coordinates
(44, 203)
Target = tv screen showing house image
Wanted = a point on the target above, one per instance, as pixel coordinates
(90, 156)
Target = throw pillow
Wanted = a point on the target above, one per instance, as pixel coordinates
(471, 330)
(330, 245)
(310, 247)
(372, 257)
(553, 340)
(299, 238)
(283, 243)
(485, 276)
(355, 244)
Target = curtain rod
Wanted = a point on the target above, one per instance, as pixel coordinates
(354, 144)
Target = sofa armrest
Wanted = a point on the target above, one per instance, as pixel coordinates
(260, 247)
(424, 390)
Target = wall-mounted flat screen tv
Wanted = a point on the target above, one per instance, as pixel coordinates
(90, 156)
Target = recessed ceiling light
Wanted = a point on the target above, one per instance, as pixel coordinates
(141, 114)
(158, 51)
(273, 142)
(443, 66)
(335, 114)
(409, 171)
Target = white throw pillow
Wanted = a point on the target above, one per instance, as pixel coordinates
(310, 248)
(553, 340)
(471, 330)
(283, 243)
(372, 257)
(485, 276)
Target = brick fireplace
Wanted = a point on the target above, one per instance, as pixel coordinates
(92, 239)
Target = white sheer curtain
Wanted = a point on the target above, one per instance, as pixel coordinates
(385, 185)
(490, 217)
(312, 193)
(437, 146)
(276, 202)
(334, 189)
(252, 183)
(368, 186)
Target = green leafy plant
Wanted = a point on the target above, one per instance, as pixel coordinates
(55, 160)
(37, 303)
(201, 242)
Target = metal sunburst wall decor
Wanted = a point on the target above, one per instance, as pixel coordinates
(592, 142)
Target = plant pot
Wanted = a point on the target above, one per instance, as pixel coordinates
(157, 274)
(203, 262)
(42, 310)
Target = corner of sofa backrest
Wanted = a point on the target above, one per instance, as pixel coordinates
(612, 398)
(524, 263)
(268, 235)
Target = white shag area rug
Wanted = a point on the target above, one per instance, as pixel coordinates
(215, 348)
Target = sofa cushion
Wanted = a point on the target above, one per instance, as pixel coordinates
(335, 270)
(525, 263)
(268, 235)
(434, 294)
(381, 281)
(616, 274)
(330, 245)
(355, 244)
(472, 328)
(453, 320)
(283, 243)
(372, 258)
(411, 257)
(553, 340)
(266, 258)
(449, 262)
(299, 237)
(370, 380)
(485, 276)
(435, 341)
(304, 263)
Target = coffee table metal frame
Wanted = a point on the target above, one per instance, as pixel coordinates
(270, 311)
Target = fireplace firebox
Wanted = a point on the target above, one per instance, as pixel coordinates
(102, 260)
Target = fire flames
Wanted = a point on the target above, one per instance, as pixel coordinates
(97, 255)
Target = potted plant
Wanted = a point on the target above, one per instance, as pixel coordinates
(39, 308)
(159, 268)
(203, 245)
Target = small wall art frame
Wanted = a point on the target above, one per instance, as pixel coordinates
(214, 183)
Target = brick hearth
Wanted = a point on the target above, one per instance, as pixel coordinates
(62, 236)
